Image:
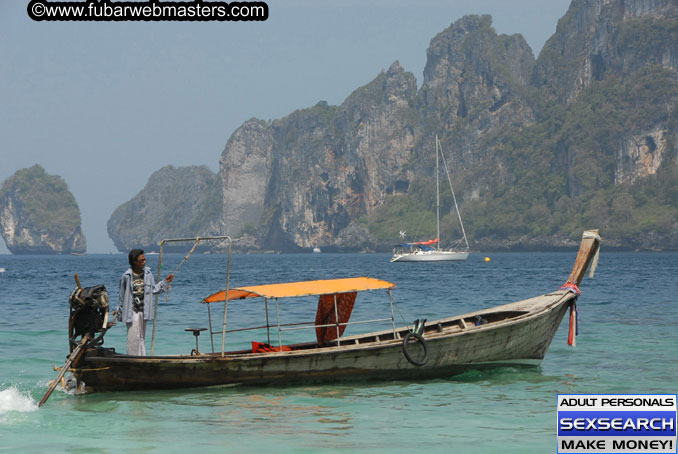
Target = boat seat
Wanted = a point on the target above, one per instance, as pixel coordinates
(196, 333)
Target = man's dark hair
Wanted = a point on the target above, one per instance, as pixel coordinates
(134, 255)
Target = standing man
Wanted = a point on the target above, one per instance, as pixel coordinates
(137, 286)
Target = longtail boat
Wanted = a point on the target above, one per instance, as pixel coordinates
(513, 333)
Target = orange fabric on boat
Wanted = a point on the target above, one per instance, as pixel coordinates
(260, 347)
(427, 242)
(304, 288)
(233, 294)
(572, 333)
(326, 315)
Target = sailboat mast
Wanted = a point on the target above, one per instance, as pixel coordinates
(454, 198)
(437, 198)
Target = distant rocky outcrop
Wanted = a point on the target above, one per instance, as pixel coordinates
(39, 215)
(177, 202)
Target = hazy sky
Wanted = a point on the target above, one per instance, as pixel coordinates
(106, 104)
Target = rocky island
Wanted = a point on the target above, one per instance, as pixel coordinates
(176, 202)
(539, 149)
(39, 215)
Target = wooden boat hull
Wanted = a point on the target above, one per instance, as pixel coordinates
(431, 256)
(509, 334)
(514, 333)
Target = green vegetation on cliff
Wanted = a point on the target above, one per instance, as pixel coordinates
(46, 203)
(647, 35)
(556, 177)
(564, 166)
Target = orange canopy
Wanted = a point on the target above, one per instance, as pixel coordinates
(304, 288)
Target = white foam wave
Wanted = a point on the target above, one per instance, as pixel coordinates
(11, 399)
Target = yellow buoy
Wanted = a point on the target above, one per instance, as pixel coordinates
(487, 259)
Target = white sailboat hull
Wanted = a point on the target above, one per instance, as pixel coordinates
(422, 251)
(430, 256)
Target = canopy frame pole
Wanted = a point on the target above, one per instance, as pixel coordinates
(223, 327)
(390, 299)
(277, 317)
(336, 320)
(157, 296)
(196, 240)
(268, 326)
(228, 283)
(209, 318)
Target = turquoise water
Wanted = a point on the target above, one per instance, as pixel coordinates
(627, 344)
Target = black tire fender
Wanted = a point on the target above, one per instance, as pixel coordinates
(419, 338)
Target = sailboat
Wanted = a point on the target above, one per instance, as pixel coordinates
(430, 251)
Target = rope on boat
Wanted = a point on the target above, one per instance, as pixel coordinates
(169, 288)
(176, 270)
(570, 287)
(400, 313)
(197, 239)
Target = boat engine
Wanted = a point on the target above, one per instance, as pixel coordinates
(88, 315)
(89, 312)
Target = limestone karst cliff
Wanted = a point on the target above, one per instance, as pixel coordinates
(618, 45)
(583, 136)
(306, 179)
(39, 215)
(244, 173)
(598, 39)
(313, 177)
(177, 202)
(538, 148)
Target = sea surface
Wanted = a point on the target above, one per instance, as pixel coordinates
(627, 343)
